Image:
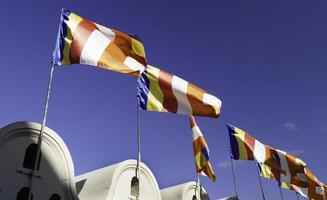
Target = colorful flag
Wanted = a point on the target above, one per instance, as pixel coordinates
(245, 147)
(81, 41)
(201, 152)
(316, 189)
(273, 163)
(163, 92)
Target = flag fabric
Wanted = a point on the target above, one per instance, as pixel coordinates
(273, 163)
(201, 152)
(245, 147)
(306, 185)
(81, 41)
(316, 189)
(291, 172)
(164, 92)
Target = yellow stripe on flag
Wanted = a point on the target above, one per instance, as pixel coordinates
(240, 137)
(138, 48)
(155, 96)
(72, 24)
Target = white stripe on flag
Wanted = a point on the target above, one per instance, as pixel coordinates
(211, 100)
(94, 48)
(179, 87)
(302, 191)
(133, 64)
(284, 165)
(107, 32)
(259, 151)
(196, 132)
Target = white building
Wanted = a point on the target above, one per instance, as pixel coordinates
(54, 178)
(185, 191)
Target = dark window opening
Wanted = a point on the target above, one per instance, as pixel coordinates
(23, 194)
(135, 186)
(55, 197)
(30, 157)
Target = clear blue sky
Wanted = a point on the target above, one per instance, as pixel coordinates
(266, 60)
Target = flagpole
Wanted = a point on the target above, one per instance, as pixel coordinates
(197, 184)
(233, 169)
(138, 141)
(263, 194)
(280, 191)
(234, 180)
(135, 182)
(39, 141)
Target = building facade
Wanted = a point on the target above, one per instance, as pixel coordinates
(54, 178)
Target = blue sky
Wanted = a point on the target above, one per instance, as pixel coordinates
(266, 60)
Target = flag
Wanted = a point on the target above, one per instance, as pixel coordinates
(81, 41)
(164, 92)
(273, 163)
(245, 147)
(201, 152)
(316, 189)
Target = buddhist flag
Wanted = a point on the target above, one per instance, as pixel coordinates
(316, 189)
(245, 147)
(81, 41)
(163, 92)
(201, 152)
(273, 163)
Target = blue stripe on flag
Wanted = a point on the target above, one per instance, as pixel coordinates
(62, 32)
(205, 152)
(235, 154)
(143, 85)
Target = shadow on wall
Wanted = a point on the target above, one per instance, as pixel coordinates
(54, 177)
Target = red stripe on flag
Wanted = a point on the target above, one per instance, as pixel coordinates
(249, 145)
(80, 36)
(165, 83)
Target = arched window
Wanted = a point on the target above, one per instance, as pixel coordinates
(23, 194)
(135, 187)
(30, 156)
(55, 197)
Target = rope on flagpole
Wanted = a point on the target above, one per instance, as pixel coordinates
(258, 173)
(39, 141)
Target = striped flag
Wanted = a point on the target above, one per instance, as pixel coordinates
(245, 147)
(81, 41)
(273, 163)
(307, 185)
(201, 152)
(163, 92)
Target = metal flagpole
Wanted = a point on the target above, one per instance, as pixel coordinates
(280, 191)
(234, 180)
(138, 141)
(39, 141)
(233, 169)
(197, 186)
(263, 194)
(135, 182)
